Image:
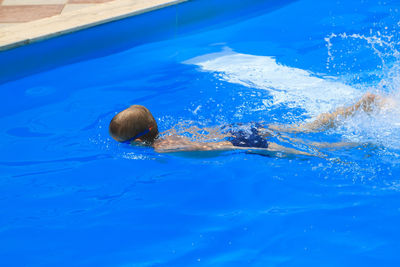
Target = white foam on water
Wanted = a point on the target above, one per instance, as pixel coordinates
(292, 87)
(134, 156)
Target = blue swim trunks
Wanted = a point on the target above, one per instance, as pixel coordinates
(246, 135)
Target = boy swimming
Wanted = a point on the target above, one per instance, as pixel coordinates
(137, 124)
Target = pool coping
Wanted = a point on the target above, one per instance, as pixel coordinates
(35, 31)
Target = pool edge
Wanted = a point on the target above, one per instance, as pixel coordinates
(39, 30)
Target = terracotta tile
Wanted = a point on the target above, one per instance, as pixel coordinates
(33, 2)
(88, 1)
(28, 13)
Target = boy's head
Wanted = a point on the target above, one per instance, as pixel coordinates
(135, 122)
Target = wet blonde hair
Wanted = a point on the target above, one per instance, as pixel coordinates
(132, 121)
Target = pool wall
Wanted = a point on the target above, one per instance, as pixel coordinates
(166, 23)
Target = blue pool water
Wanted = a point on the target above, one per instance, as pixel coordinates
(71, 196)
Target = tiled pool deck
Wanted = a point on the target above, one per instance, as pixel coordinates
(14, 12)
(27, 21)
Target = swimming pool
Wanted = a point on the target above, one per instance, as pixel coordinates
(70, 195)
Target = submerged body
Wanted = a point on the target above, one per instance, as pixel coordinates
(249, 137)
(136, 124)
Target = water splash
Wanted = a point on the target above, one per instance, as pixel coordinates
(378, 53)
(382, 126)
(381, 45)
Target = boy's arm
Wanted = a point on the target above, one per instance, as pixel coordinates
(181, 144)
(173, 144)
